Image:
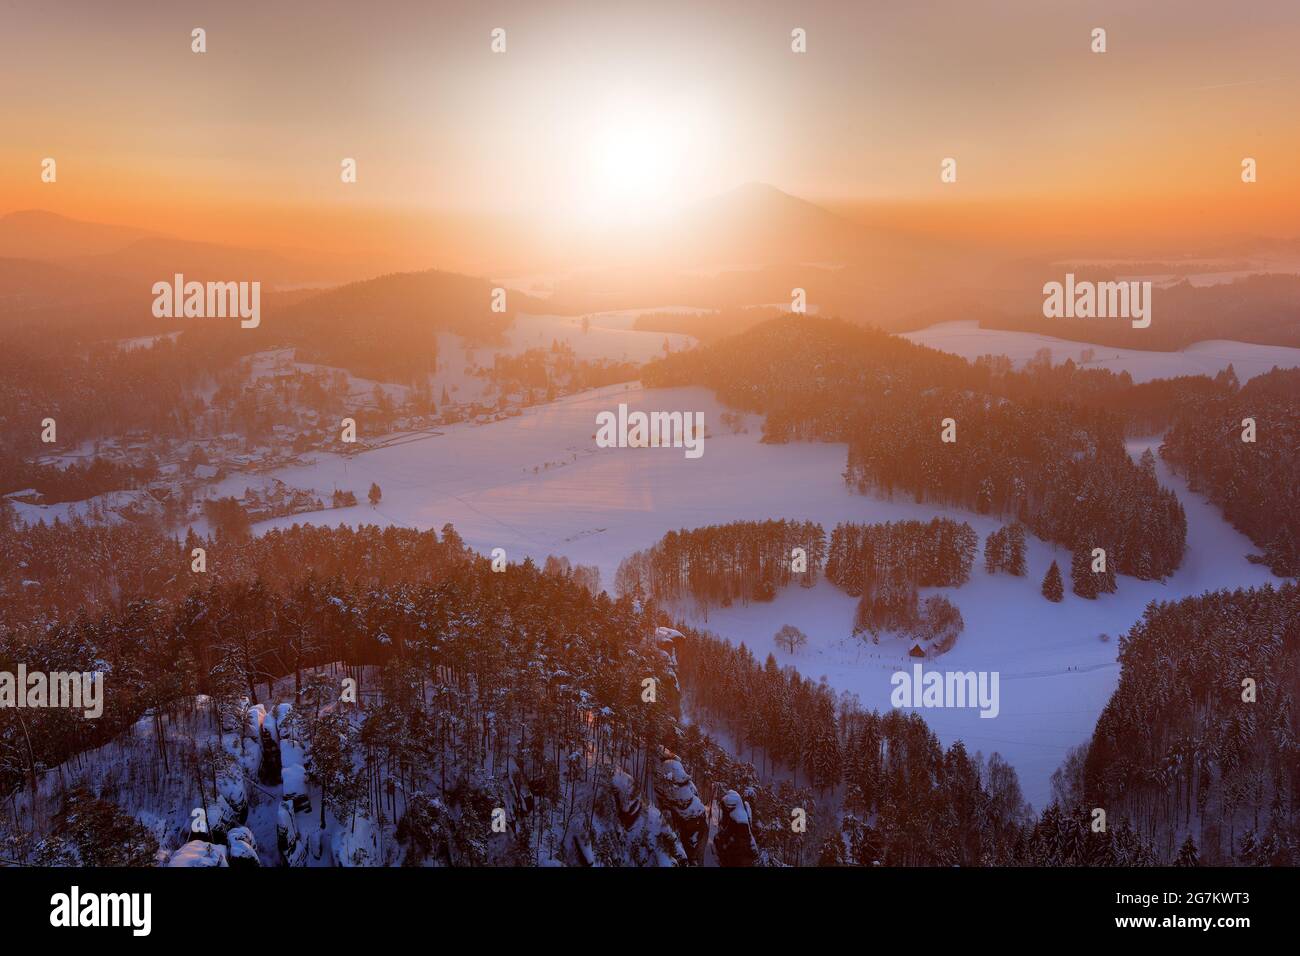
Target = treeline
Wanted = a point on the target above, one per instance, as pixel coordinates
(1199, 740)
(719, 564)
(1144, 408)
(1057, 466)
(936, 553)
(884, 564)
(77, 481)
(52, 572)
(1252, 481)
(1066, 475)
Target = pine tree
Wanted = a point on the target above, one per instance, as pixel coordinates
(1015, 553)
(1004, 550)
(376, 495)
(1187, 856)
(995, 551)
(1106, 583)
(1053, 588)
(1083, 578)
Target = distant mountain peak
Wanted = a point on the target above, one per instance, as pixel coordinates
(754, 187)
(41, 234)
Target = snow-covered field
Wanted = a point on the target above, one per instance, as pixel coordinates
(609, 335)
(537, 485)
(968, 340)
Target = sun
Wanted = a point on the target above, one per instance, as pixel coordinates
(634, 161)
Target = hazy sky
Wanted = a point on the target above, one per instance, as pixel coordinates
(594, 104)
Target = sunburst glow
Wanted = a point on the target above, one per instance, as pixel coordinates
(634, 159)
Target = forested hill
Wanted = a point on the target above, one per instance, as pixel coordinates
(387, 328)
(1199, 741)
(811, 376)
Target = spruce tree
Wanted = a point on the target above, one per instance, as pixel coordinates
(1106, 583)
(1083, 578)
(1015, 549)
(995, 554)
(1053, 588)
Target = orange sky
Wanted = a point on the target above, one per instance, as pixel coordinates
(242, 144)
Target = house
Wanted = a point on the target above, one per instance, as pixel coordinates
(161, 490)
(916, 651)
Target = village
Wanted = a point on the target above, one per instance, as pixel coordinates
(276, 412)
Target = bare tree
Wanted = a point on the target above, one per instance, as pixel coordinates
(790, 638)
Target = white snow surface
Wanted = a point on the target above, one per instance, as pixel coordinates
(968, 340)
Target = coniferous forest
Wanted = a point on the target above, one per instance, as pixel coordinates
(1059, 467)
